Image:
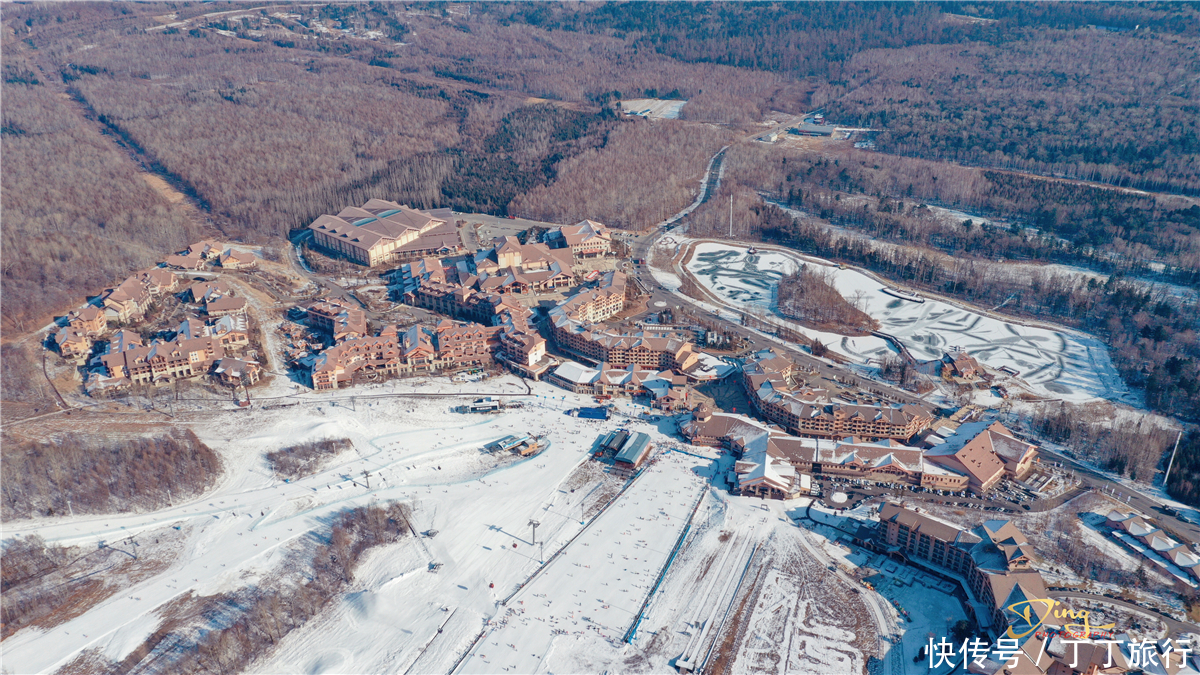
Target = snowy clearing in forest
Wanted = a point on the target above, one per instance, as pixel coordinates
(1059, 364)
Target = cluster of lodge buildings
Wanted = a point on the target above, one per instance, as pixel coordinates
(507, 267)
(203, 253)
(1154, 539)
(512, 267)
(505, 335)
(775, 392)
(129, 300)
(773, 464)
(575, 328)
(473, 290)
(381, 232)
(993, 562)
(197, 348)
(667, 389)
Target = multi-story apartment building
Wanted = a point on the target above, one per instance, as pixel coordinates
(337, 319)
(574, 325)
(466, 345)
(127, 301)
(994, 559)
(804, 411)
(888, 462)
(161, 362)
(72, 344)
(89, 320)
(593, 305)
(419, 349)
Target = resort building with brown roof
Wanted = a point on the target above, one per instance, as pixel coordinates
(382, 232)
(231, 331)
(394, 351)
(994, 560)
(887, 462)
(237, 260)
(225, 306)
(985, 451)
(585, 239)
(963, 365)
(237, 372)
(512, 267)
(127, 301)
(161, 362)
(88, 321)
(777, 395)
(72, 343)
(337, 319)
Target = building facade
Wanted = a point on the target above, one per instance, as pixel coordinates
(381, 232)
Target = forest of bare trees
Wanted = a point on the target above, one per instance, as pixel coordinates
(77, 214)
(1114, 107)
(82, 474)
(1184, 482)
(888, 198)
(643, 174)
(1132, 449)
(1099, 92)
(305, 459)
(809, 297)
(44, 585)
(263, 135)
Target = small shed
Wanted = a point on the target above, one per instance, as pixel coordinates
(484, 405)
(510, 442)
(631, 456)
(594, 413)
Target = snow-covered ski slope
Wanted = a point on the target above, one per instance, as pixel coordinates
(1055, 363)
(417, 451)
(490, 606)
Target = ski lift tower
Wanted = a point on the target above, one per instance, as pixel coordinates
(534, 524)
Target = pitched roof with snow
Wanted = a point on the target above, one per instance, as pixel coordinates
(576, 373)
(377, 221)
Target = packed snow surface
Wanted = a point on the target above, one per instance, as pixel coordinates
(1054, 363)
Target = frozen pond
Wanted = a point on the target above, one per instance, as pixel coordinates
(1056, 363)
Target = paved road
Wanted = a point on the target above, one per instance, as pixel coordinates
(831, 373)
(1090, 477)
(341, 293)
(1173, 625)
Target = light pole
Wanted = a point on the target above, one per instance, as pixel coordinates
(1172, 462)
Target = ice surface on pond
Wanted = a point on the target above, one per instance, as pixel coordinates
(1056, 363)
